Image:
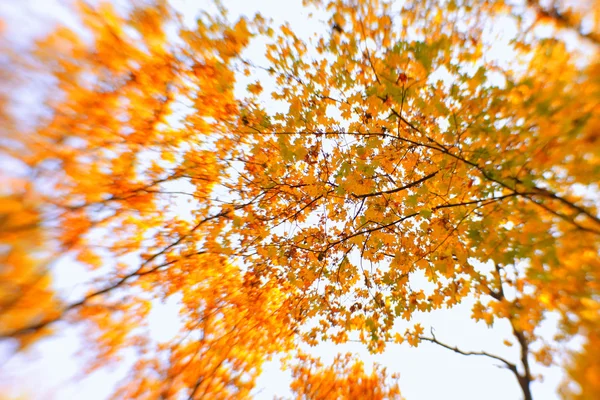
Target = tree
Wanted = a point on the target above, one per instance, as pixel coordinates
(408, 169)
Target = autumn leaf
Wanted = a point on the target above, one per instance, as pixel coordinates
(399, 166)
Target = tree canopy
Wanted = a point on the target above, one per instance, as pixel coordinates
(407, 157)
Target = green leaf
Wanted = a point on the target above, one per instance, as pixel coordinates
(340, 191)
(424, 55)
(412, 200)
(344, 170)
(370, 324)
(425, 213)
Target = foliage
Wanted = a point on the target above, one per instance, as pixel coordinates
(344, 379)
(392, 165)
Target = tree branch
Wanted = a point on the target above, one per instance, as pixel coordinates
(396, 190)
(507, 364)
(523, 379)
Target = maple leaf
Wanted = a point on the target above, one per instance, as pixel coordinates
(407, 151)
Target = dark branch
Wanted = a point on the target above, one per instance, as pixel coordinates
(507, 364)
(399, 189)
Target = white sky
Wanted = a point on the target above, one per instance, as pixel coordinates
(50, 370)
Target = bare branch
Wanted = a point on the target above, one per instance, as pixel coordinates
(455, 349)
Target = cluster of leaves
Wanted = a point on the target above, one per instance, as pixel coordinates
(344, 379)
(407, 162)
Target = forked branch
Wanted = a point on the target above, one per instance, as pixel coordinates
(523, 379)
